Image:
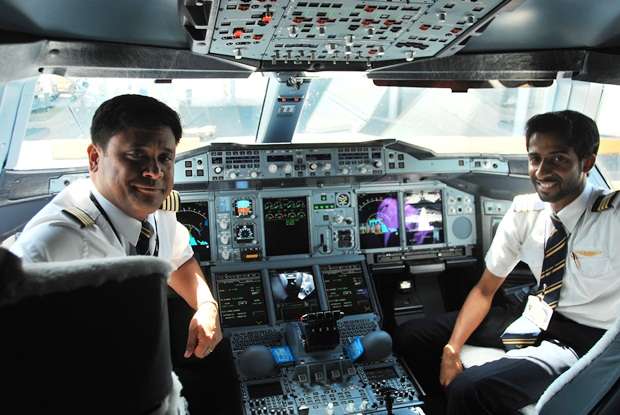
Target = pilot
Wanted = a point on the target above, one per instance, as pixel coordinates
(568, 232)
(116, 212)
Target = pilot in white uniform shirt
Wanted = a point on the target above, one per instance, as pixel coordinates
(54, 235)
(590, 292)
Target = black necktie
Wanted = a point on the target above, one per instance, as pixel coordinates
(554, 265)
(143, 245)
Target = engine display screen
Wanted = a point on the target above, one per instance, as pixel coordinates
(378, 220)
(241, 299)
(286, 226)
(243, 208)
(423, 217)
(294, 293)
(346, 288)
(195, 217)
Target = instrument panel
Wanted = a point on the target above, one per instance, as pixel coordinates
(247, 226)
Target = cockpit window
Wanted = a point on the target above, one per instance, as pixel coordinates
(210, 109)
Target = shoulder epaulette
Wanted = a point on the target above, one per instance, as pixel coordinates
(172, 203)
(527, 203)
(604, 202)
(80, 216)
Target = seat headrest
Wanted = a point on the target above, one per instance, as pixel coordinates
(25, 280)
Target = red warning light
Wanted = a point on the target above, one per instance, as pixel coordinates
(257, 37)
(266, 18)
(425, 27)
(370, 9)
(298, 19)
(367, 22)
(238, 32)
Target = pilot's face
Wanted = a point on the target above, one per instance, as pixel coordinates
(135, 170)
(556, 171)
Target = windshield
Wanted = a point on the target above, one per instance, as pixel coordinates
(58, 130)
(340, 107)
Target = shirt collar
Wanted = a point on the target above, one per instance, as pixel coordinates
(571, 213)
(128, 227)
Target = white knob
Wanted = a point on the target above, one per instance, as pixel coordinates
(377, 163)
(225, 254)
(345, 170)
(350, 408)
(327, 166)
(217, 169)
(338, 218)
(363, 169)
(329, 409)
(223, 222)
(254, 174)
(232, 175)
(288, 168)
(313, 166)
(273, 168)
(363, 405)
(224, 238)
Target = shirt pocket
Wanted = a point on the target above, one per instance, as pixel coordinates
(591, 263)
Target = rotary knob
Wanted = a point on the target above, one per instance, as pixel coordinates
(313, 166)
(224, 238)
(344, 170)
(377, 163)
(254, 174)
(232, 175)
(273, 168)
(288, 168)
(363, 169)
(217, 169)
(225, 254)
(327, 166)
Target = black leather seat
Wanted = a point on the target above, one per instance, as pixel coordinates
(87, 337)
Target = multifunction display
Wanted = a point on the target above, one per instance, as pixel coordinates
(286, 226)
(423, 217)
(241, 299)
(346, 288)
(195, 217)
(294, 293)
(379, 220)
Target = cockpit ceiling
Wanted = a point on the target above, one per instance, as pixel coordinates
(335, 31)
(287, 35)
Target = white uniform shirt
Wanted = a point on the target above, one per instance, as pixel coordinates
(590, 292)
(52, 235)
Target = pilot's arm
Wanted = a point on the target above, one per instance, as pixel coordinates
(204, 328)
(474, 310)
(500, 259)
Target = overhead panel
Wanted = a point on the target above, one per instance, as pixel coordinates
(306, 32)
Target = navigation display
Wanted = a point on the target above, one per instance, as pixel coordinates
(195, 217)
(286, 226)
(241, 299)
(294, 293)
(378, 220)
(346, 288)
(423, 217)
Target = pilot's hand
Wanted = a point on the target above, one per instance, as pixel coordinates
(204, 331)
(451, 365)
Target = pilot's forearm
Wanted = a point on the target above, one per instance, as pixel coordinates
(188, 281)
(474, 310)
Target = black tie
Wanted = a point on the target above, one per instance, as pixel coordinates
(143, 245)
(554, 265)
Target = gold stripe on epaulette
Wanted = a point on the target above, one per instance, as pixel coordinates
(604, 202)
(83, 218)
(172, 203)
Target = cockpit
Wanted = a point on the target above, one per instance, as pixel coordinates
(344, 165)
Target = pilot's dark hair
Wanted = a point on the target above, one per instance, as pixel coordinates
(132, 111)
(574, 129)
